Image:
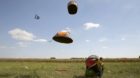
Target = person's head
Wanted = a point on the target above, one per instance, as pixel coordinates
(101, 58)
(94, 57)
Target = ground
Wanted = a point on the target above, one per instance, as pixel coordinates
(23, 69)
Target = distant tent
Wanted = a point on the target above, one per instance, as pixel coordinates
(37, 17)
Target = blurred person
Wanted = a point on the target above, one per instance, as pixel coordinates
(102, 65)
(94, 66)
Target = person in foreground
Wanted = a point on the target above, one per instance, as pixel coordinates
(94, 67)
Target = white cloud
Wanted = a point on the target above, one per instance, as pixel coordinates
(22, 44)
(102, 39)
(67, 29)
(87, 40)
(6, 47)
(22, 35)
(18, 45)
(123, 38)
(104, 47)
(90, 25)
(40, 40)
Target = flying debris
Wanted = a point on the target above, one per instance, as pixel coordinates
(62, 37)
(72, 7)
(37, 17)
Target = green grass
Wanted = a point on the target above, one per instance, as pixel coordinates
(65, 70)
(122, 70)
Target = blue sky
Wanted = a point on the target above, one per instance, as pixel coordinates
(107, 28)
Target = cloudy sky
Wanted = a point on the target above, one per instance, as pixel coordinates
(107, 28)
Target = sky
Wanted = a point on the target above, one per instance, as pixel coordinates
(106, 28)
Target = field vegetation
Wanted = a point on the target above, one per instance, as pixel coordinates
(72, 68)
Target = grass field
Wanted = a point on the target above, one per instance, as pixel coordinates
(65, 70)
